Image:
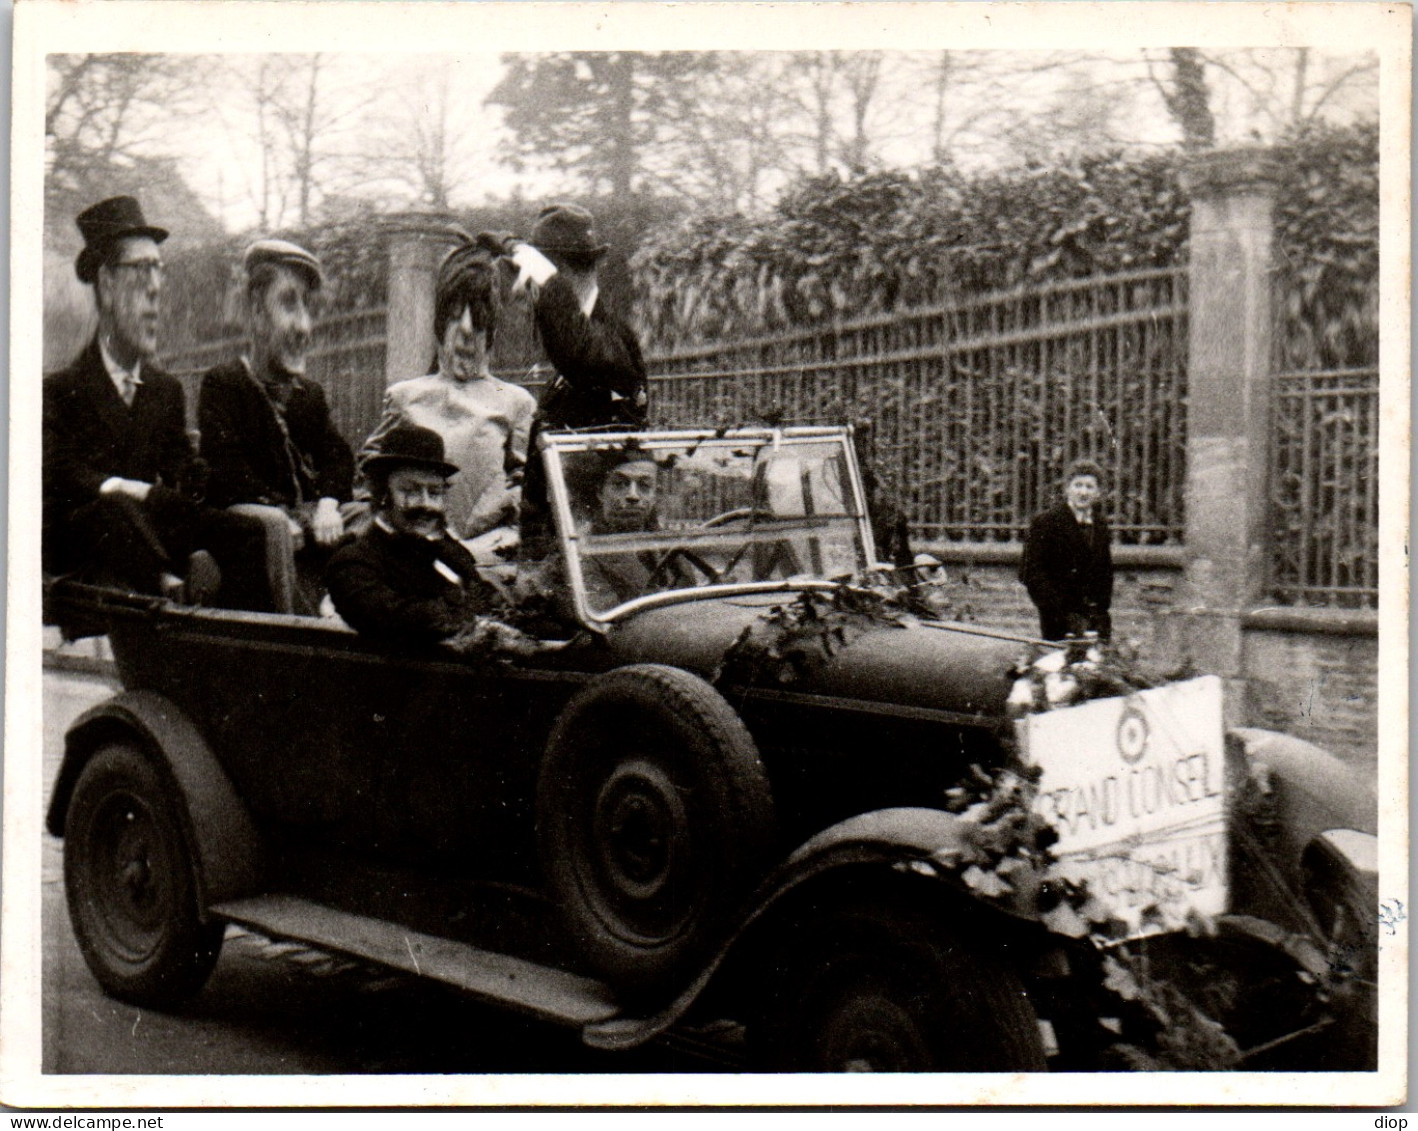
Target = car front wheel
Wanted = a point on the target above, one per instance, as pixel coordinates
(883, 989)
(131, 883)
(654, 819)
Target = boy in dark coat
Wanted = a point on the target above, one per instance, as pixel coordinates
(1068, 562)
(266, 429)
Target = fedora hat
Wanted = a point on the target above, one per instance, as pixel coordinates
(283, 253)
(105, 223)
(410, 445)
(566, 229)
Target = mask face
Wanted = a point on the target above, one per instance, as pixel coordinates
(462, 354)
(627, 497)
(416, 499)
(1082, 492)
(282, 322)
(128, 294)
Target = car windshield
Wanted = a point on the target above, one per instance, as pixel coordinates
(655, 512)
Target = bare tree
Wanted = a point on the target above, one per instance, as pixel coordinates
(111, 126)
(302, 118)
(103, 109)
(414, 140)
(1187, 96)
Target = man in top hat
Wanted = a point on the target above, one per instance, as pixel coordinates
(600, 373)
(1068, 560)
(266, 427)
(405, 580)
(122, 485)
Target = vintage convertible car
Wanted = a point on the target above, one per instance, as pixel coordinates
(748, 780)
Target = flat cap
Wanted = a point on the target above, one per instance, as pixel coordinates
(283, 253)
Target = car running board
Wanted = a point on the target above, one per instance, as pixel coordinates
(542, 991)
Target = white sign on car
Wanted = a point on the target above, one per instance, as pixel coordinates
(1135, 787)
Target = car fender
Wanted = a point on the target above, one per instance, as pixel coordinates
(1312, 791)
(223, 839)
(891, 839)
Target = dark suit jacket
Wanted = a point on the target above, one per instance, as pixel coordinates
(90, 435)
(1067, 570)
(602, 373)
(242, 442)
(387, 585)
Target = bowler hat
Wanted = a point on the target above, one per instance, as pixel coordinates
(105, 223)
(565, 229)
(410, 445)
(283, 253)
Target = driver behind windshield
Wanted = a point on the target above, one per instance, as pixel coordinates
(625, 497)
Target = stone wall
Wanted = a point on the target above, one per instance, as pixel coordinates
(1306, 672)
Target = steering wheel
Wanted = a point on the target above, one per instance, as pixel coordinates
(660, 574)
(780, 554)
(738, 514)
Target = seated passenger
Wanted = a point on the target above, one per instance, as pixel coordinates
(404, 580)
(267, 434)
(121, 485)
(484, 421)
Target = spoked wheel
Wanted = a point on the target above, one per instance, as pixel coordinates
(130, 882)
(883, 989)
(654, 816)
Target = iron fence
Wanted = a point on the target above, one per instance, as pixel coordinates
(1325, 488)
(976, 407)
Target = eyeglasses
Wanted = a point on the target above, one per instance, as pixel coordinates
(146, 268)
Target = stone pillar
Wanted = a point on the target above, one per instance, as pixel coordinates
(1229, 393)
(417, 242)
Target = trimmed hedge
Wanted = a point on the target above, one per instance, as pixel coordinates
(837, 247)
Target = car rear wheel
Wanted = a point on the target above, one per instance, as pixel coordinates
(654, 818)
(131, 882)
(883, 989)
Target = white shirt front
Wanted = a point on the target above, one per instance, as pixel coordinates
(118, 375)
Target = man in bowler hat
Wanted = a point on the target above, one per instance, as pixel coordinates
(122, 487)
(1068, 562)
(266, 428)
(405, 581)
(600, 372)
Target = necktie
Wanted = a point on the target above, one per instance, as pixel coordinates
(130, 388)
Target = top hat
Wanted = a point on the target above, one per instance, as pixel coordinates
(410, 445)
(565, 229)
(103, 224)
(283, 253)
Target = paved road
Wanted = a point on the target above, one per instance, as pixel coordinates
(274, 1008)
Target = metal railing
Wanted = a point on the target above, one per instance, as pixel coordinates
(347, 359)
(977, 406)
(1325, 488)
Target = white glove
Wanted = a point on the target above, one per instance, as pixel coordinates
(133, 488)
(532, 268)
(326, 524)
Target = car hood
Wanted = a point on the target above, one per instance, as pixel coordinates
(932, 666)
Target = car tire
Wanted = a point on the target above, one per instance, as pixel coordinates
(131, 883)
(654, 819)
(879, 988)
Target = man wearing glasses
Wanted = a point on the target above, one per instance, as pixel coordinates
(122, 486)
